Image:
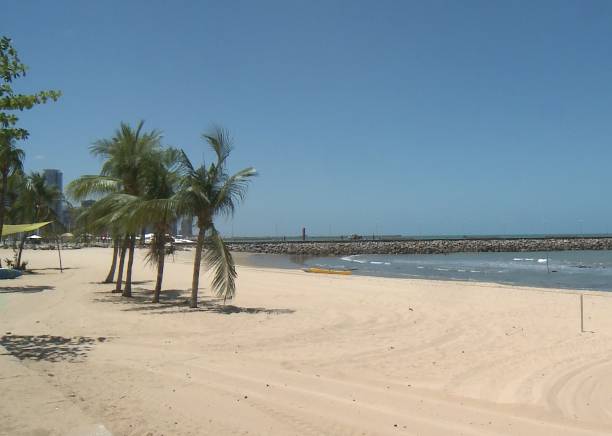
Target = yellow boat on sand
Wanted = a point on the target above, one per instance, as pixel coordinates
(343, 272)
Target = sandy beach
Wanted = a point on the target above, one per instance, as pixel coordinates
(296, 354)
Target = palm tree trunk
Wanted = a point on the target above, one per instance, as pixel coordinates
(3, 198)
(127, 290)
(21, 243)
(110, 278)
(121, 264)
(196, 269)
(161, 253)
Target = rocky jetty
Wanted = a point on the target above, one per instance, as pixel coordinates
(439, 246)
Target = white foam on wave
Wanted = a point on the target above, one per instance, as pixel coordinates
(376, 263)
(473, 270)
(420, 267)
(387, 263)
(461, 270)
(352, 259)
(542, 260)
(528, 258)
(442, 269)
(518, 258)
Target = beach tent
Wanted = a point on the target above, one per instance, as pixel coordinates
(11, 229)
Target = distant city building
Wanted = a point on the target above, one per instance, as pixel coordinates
(187, 226)
(55, 178)
(66, 219)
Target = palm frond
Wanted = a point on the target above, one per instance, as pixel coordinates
(102, 147)
(191, 201)
(186, 162)
(220, 141)
(11, 155)
(90, 185)
(141, 212)
(233, 190)
(218, 257)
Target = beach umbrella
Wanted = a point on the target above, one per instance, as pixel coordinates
(67, 235)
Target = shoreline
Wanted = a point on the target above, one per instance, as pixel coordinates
(552, 281)
(432, 282)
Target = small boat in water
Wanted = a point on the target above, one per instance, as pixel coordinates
(344, 272)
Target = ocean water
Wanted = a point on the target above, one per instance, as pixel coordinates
(590, 270)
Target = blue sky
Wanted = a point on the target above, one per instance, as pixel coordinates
(397, 117)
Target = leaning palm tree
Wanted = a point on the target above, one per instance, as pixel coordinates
(110, 277)
(11, 160)
(126, 155)
(206, 192)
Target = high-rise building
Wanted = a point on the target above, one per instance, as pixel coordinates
(67, 218)
(187, 226)
(55, 178)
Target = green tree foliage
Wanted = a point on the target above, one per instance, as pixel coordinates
(143, 185)
(153, 207)
(11, 157)
(206, 192)
(127, 157)
(32, 200)
(12, 68)
(11, 162)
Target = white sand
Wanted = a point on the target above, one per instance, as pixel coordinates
(325, 355)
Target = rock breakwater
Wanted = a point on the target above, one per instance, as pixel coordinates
(439, 246)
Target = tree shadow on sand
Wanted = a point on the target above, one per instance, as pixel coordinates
(172, 302)
(43, 270)
(48, 348)
(24, 289)
(140, 282)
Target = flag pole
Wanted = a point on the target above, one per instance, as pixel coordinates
(59, 252)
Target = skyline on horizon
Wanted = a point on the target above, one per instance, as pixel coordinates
(414, 119)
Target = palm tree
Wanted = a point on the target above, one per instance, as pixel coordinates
(92, 219)
(15, 186)
(35, 203)
(205, 193)
(11, 160)
(126, 155)
(162, 182)
(15, 212)
(155, 207)
(110, 277)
